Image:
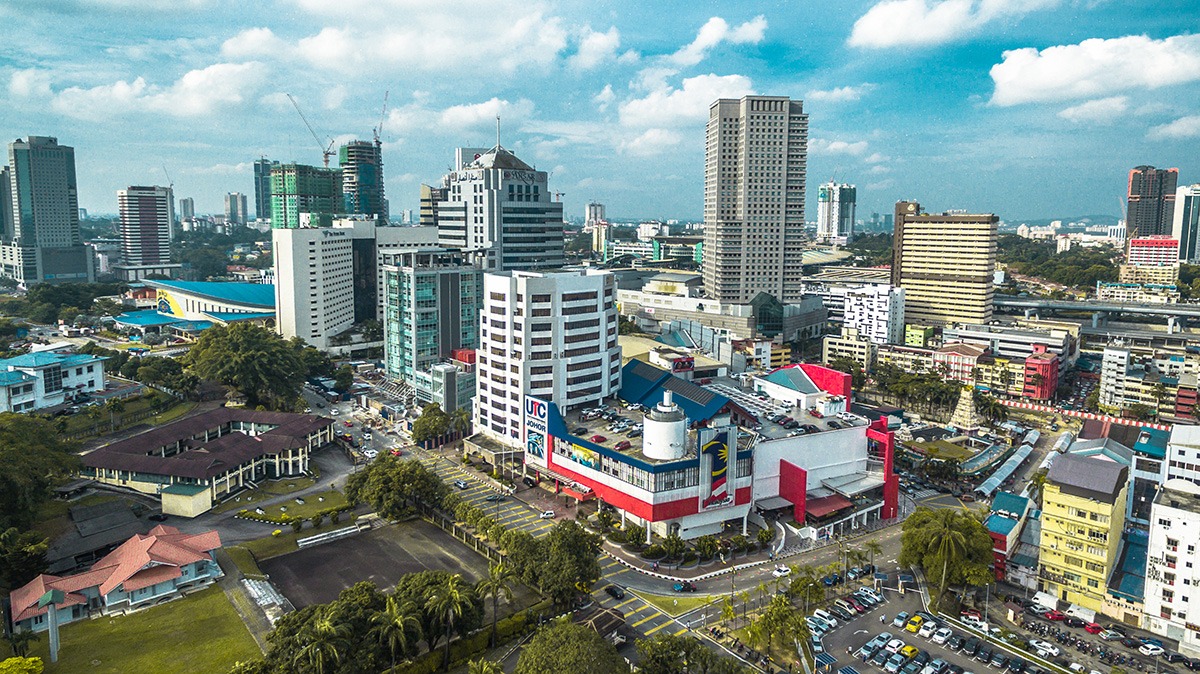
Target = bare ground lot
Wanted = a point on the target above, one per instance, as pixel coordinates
(316, 575)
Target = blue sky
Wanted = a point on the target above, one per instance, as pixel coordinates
(1026, 108)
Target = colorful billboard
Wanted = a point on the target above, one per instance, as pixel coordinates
(716, 450)
(585, 456)
(537, 436)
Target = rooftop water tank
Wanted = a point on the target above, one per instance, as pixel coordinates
(664, 434)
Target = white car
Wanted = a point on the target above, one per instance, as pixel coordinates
(547, 515)
(942, 636)
(781, 571)
(894, 646)
(1150, 650)
(371, 453)
(928, 629)
(975, 623)
(825, 615)
(334, 411)
(1044, 647)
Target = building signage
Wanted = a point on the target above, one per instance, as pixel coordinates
(683, 364)
(718, 493)
(537, 436)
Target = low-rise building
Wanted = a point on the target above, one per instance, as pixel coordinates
(1004, 524)
(852, 345)
(877, 312)
(35, 381)
(1137, 293)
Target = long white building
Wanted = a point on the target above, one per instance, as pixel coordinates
(552, 335)
(877, 312)
(1172, 561)
(501, 208)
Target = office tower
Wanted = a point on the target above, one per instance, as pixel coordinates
(549, 335)
(945, 263)
(187, 208)
(44, 245)
(754, 178)
(147, 217)
(1186, 222)
(6, 204)
(835, 213)
(1151, 201)
(327, 278)
(593, 213)
(235, 208)
(262, 188)
(298, 189)
(362, 179)
(430, 198)
(876, 312)
(500, 208)
(431, 316)
(601, 233)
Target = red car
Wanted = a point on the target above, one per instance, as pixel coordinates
(1054, 615)
(397, 452)
(349, 424)
(970, 612)
(597, 438)
(1093, 628)
(623, 445)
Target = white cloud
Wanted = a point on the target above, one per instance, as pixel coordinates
(198, 92)
(878, 169)
(595, 48)
(334, 96)
(669, 107)
(32, 82)
(877, 158)
(651, 142)
(840, 94)
(716, 31)
(253, 43)
(219, 169)
(1094, 68)
(1100, 110)
(471, 115)
(604, 98)
(822, 146)
(901, 23)
(1184, 127)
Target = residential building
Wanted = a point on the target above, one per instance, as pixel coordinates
(1137, 293)
(42, 379)
(147, 217)
(262, 189)
(835, 213)
(945, 264)
(1171, 563)
(43, 244)
(551, 335)
(145, 570)
(877, 312)
(431, 325)
(1161, 250)
(958, 360)
(1004, 524)
(1151, 201)
(187, 208)
(593, 213)
(1162, 383)
(850, 344)
(301, 189)
(918, 335)
(361, 162)
(327, 279)
(194, 463)
(1083, 516)
(236, 209)
(1183, 453)
(430, 198)
(1185, 225)
(1020, 341)
(501, 209)
(601, 231)
(756, 163)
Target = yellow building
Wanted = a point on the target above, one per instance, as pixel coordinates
(1083, 515)
(849, 345)
(1001, 376)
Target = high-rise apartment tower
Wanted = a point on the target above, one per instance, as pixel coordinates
(1151, 201)
(147, 215)
(835, 213)
(945, 263)
(362, 179)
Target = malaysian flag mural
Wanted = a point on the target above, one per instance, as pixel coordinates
(717, 449)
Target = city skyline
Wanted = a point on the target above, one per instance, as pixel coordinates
(958, 104)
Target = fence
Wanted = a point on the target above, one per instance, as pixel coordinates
(447, 524)
(124, 420)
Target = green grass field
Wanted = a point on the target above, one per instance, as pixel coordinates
(200, 633)
(313, 504)
(676, 604)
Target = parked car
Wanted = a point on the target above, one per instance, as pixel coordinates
(1054, 616)
(971, 647)
(1072, 621)
(1173, 657)
(622, 445)
(1151, 640)
(955, 642)
(942, 635)
(894, 663)
(597, 438)
(927, 630)
(910, 651)
(1016, 665)
(547, 515)
(579, 431)
(914, 624)
(841, 613)
(1043, 647)
(984, 654)
(901, 619)
(615, 591)
(685, 586)
(1109, 635)
(827, 617)
(1093, 628)
(1151, 650)
(495, 498)
(462, 484)
(999, 660)
(894, 646)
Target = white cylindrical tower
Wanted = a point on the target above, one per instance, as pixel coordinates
(664, 436)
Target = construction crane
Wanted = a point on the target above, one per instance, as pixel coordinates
(326, 150)
(382, 117)
(559, 195)
(170, 183)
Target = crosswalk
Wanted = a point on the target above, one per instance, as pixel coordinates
(923, 494)
(641, 616)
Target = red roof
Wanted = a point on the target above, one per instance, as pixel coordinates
(826, 505)
(141, 561)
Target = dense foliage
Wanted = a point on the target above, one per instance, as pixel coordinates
(46, 303)
(851, 367)
(33, 459)
(951, 546)
(920, 390)
(255, 360)
(671, 654)
(1078, 267)
(394, 488)
(566, 647)
(871, 250)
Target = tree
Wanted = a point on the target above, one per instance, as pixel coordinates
(670, 654)
(22, 665)
(448, 602)
(393, 486)
(806, 586)
(570, 562)
(636, 533)
(115, 407)
(433, 423)
(325, 643)
(765, 536)
(22, 557)
(482, 666)
(33, 458)
(252, 359)
(566, 647)
(778, 620)
(397, 626)
(499, 583)
(706, 547)
(343, 379)
(1141, 412)
(950, 543)
(851, 367)
(673, 545)
(460, 421)
(872, 548)
(19, 641)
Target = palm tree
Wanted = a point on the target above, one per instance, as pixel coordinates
(115, 408)
(499, 583)
(448, 603)
(324, 642)
(949, 542)
(873, 548)
(395, 625)
(482, 666)
(1037, 483)
(20, 642)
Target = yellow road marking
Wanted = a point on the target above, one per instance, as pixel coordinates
(646, 619)
(652, 630)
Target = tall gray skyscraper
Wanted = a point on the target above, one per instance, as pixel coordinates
(235, 208)
(43, 244)
(362, 179)
(835, 213)
(1186, 225)
(262, 188)
(756, 158)
(147, 220)
(187, 208)
(1151, 201)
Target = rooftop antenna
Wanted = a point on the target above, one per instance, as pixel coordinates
(497, 132)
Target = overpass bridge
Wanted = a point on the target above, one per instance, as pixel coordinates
(1174, 313)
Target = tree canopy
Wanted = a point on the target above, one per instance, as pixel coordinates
(670, 654)
(572, 563)
(33, 459)
(252, 359)
(433, 423)
(850, 367)
(567, 647)
(1078, 267)
(393, 487)
(950, 545)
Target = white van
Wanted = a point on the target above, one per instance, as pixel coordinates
(825, 615)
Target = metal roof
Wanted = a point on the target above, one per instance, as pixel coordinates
(249, 294)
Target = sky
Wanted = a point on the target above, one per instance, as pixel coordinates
(1026, 108)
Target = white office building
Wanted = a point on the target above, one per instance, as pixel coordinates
(502, 209)
(1186, 225)
(877, 312)
(1172, 564)
(327, 279)
(34, 381)
(835, 213)
(551, 335)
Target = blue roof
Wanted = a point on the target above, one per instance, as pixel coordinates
(15, 377)
(1152, 442)
(147, 318)
(643, 383)
(1000, 524)
(1129, 577)
(794, 378)
(234, 316)
(250, 294)
(48, 358)
(1010, 502)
